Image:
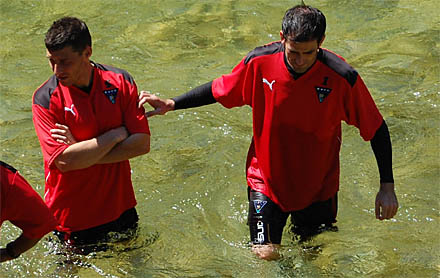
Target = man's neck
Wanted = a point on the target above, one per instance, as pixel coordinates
(87, 86)
(292, 72)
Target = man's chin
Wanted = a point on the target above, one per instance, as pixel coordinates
(300, 70)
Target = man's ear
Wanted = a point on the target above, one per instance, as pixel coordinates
(283, 39)
(322, 40)
(88, 51)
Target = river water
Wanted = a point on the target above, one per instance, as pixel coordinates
(191, 188)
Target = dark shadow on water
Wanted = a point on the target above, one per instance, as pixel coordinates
(70, 259)
(296, 256)
(305, 234)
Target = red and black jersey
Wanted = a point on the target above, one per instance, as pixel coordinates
(294, 157)
(22, 206)
(89, 197)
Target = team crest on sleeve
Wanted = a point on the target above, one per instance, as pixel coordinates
(322, 93)
(258, 205)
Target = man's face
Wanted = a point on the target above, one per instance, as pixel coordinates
(69, 66)
(300, 55)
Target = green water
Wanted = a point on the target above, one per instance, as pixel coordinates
(191, 188)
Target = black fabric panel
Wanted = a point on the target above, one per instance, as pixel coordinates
(43, 94)
(338, 65)
(126, 75)
(264, 50)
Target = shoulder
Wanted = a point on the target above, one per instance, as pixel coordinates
(268, 49)
(338, 64)
(6, 167)
(43, 94)
(114, 70)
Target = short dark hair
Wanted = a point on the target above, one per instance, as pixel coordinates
(304, 23)
(68, 31)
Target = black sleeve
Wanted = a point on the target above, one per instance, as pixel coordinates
(381, 145)
(202, 95)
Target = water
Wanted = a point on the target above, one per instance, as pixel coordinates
(191, 188)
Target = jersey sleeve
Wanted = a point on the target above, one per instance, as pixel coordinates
(44, 121)
(361, 111)
(24, 208)
(134, 116)
(235, 89)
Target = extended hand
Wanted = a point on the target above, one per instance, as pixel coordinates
(62, 134)
(386, 202)
(161, 106)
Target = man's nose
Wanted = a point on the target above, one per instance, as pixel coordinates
(299, 60)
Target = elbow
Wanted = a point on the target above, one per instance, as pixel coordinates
(63, 165)
(145, 148)
(142, 145)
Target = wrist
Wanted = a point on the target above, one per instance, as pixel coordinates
(171, 103)
(387, 186)
(119, 134)
(11, 252)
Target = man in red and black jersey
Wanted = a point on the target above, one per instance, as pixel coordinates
(87, 119)
(299, 94)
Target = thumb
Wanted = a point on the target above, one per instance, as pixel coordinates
(153, 112)
(377, 210)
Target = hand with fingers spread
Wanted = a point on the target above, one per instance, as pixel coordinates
(386, 202)
(161, 106)
(62, 134)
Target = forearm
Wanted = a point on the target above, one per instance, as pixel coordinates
(89, 152)
(381, 145)
(17, 247)
(135, 145)
(199, 96)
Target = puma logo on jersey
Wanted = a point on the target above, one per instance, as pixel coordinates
(270, 84)
(70, 109)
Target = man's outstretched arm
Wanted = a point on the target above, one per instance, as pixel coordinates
(199, 96)
(386, 204)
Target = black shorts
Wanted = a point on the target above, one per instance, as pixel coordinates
(94, 239)
(266, 220)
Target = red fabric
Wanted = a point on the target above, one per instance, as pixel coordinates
(85, 198)
(294, 158)
(22, 206)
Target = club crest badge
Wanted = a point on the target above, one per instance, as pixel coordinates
(259, 205)
(111, 94)
(322, 93)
